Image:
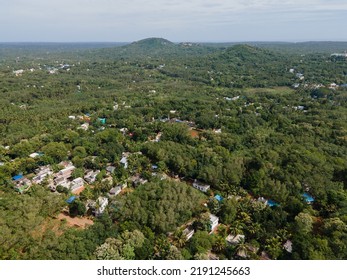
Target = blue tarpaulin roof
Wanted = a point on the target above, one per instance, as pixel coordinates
(71, 199)
(272, 203)
(218, 197)
(17, 177)
(308, 198)
(102, 120)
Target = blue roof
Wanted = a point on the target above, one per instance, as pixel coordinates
(272, 203)
(218, 197)
(71, 199)
(17, 177)
(308, 198)
(102, 120)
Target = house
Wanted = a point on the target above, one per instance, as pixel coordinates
(188, 232)
(200, 186)
(333, 86)
(43, 170)
(84, 126)
(136, 180)
(65, 164)
(66, 172)
(124, 161)
(61, 178)
(90, 176)
(21, 184)
(308, 198)
(115, 191)
(245, 253)
(300, 107)
(213, 222)
(17, 177)
(97, 207)
(71, 199)
(102, 202)
(102, 120)
(272, 203)
(264, 256)
(235, 239)
(34, 155)
(110, 169)
(76, 184)
(300, 76)
(157, 137)
(124, 130)
(18, 72)
(42, 173)
(288, 246)
(235, 98)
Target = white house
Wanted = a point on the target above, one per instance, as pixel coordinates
(101, 205)
(76, 184)
(115, 191)
(200, 186)
(188, 232)
(124, 161)
(235, 239)
(288, 246)
(41, 174)
(66, 172)
(34, 155)
(213, 222)
(90, 176)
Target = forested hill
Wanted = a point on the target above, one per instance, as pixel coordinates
(326, 47)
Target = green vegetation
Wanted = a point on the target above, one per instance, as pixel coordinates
(259, 122)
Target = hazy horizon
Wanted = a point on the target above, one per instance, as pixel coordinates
(217, 21)
(176, 42)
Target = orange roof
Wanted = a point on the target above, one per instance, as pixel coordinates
(78, 190)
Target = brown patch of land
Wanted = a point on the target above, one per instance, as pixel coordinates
(48, 224)
(80, 222)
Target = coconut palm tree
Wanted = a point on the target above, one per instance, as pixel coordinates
(219, 244)
(179, 238)
(236, 228)
(242, 249)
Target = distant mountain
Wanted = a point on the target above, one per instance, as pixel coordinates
(158, 48)
(152, 43)
(150, 47)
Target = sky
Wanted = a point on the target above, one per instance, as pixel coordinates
(175, 20)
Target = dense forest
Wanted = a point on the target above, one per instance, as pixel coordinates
(161, 150)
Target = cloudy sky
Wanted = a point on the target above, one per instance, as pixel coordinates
(175, 20)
